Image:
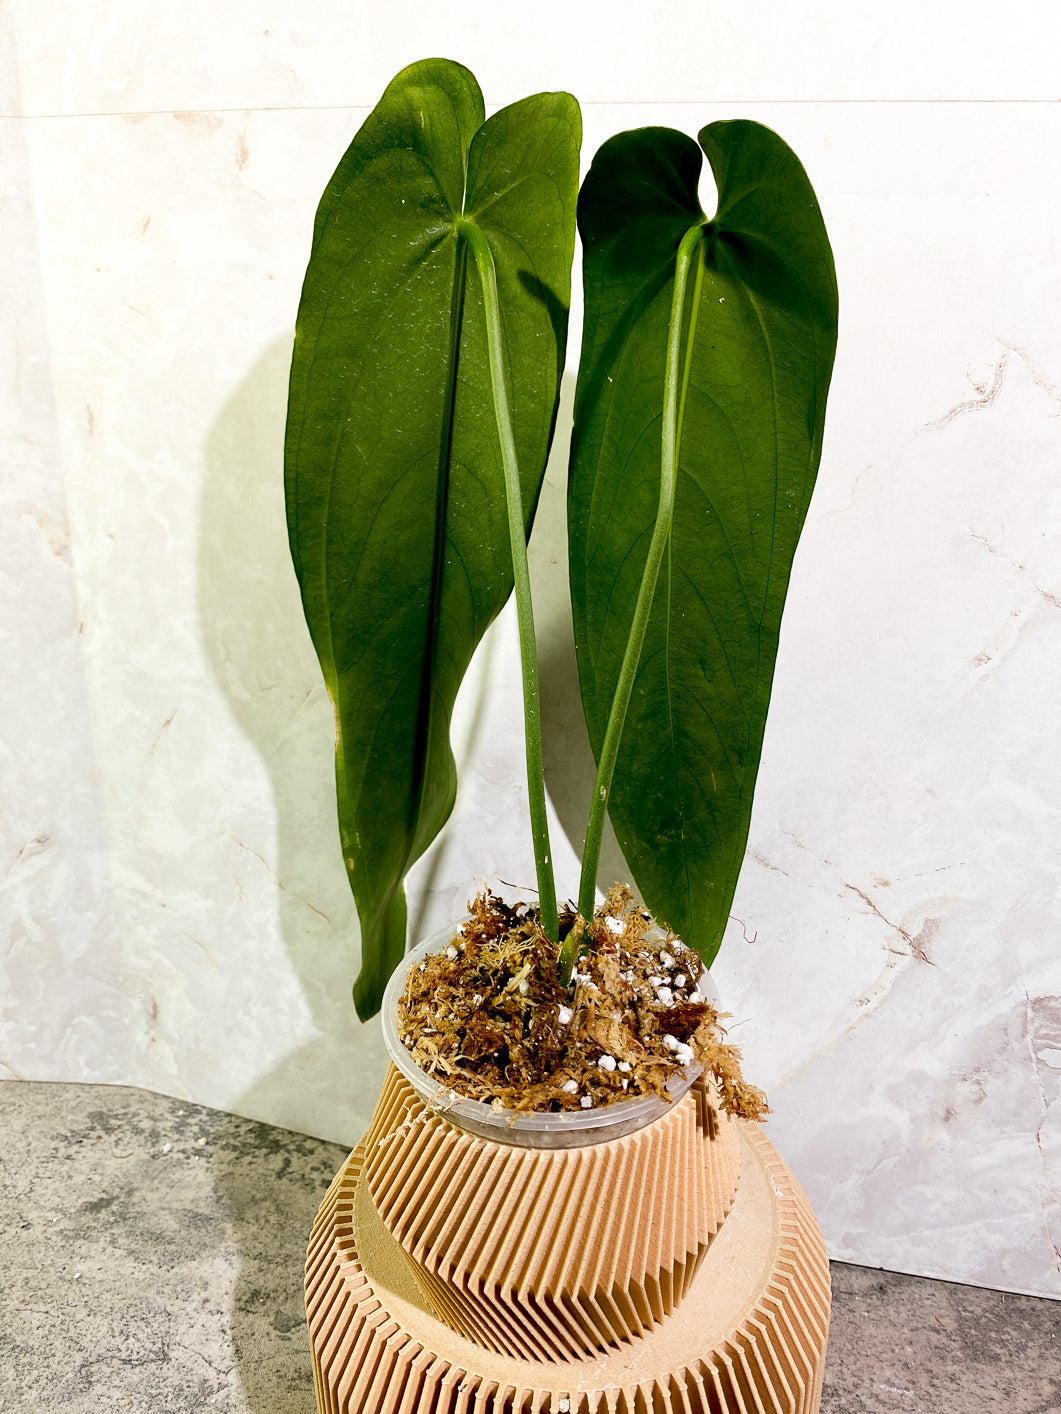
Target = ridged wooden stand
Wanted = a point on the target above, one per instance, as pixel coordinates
(678, 1268)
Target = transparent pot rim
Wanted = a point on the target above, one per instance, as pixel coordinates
(570, 1129)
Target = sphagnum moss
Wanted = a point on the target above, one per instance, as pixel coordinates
(490, 1017)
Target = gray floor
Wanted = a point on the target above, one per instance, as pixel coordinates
(152, 1261)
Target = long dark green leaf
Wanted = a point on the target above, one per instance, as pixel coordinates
(395, 495)
(758, 338)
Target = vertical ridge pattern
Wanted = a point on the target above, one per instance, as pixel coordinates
(512, 1253)
(365, 1362)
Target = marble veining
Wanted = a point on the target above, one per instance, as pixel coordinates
(173, 910)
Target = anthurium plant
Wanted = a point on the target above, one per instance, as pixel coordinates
(429, 347)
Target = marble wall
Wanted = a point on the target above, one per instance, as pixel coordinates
(173, 909)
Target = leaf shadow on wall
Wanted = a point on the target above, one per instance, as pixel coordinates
(260, 652)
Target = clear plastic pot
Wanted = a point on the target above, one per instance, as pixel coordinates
(570, 1129)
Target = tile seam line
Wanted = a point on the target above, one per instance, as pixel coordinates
(584, 103)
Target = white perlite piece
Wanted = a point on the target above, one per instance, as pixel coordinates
(565, 1015)
(607, 1062)
(451, 953)
(570, 1086)
(682, 1051)
(586, 1102)
(665, 995)
(614, 925)
(625, 1067)
(680, 980)
(665, 960)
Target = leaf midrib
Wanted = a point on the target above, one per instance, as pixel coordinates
(425, 709)
(425, 712)
(695, 303)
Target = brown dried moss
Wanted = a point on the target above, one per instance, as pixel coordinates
(489, 1016)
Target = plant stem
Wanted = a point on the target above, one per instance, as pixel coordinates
(484, 262)
(688, 251)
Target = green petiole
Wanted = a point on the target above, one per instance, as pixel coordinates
(690, 253)
(484, 263)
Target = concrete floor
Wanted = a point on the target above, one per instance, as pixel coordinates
(152, 1261)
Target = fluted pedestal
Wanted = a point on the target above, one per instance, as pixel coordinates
(678, 1268)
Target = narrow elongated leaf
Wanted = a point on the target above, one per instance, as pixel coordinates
(395, 496)
(758, 338)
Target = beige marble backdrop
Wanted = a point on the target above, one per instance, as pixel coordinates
(173, 910)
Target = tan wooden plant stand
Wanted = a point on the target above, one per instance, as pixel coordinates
(675, 1270)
